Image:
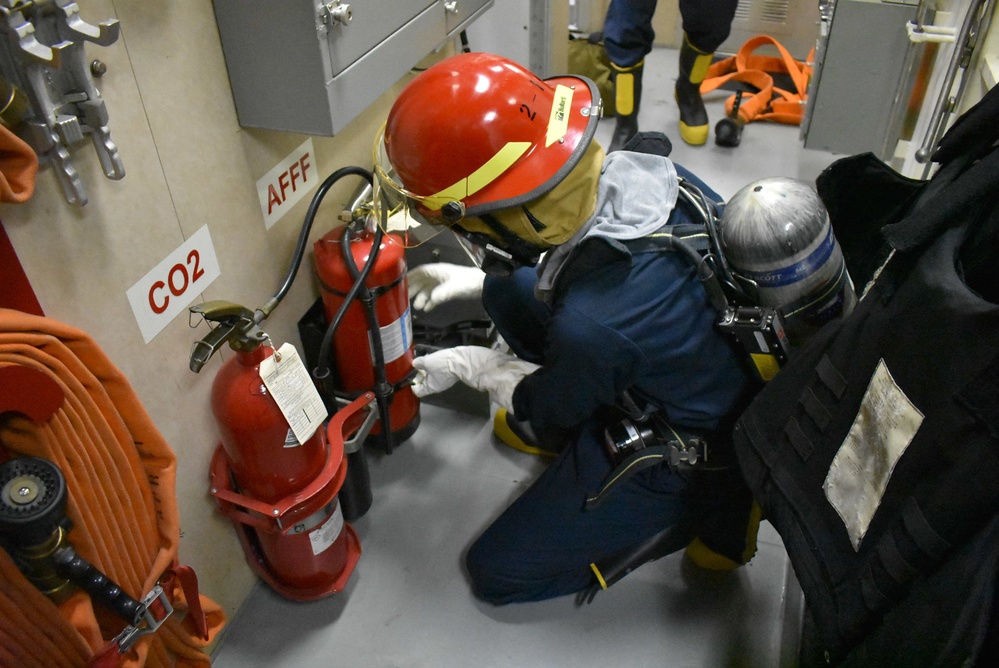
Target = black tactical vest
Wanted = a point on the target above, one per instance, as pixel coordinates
(875, 451)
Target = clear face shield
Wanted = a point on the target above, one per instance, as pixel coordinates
(415, 219)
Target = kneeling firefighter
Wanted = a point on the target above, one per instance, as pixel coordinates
(614, 323)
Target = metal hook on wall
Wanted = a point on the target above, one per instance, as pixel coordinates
(43, 58)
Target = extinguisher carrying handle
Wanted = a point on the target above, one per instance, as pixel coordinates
(355, 442)
(236, 326)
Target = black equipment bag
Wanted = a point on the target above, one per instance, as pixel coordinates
(875, 451)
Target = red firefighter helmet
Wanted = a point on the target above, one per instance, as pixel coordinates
(476, 133)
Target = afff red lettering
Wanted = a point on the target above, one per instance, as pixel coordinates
(272, 199)
(305, 166)
(283, 184)
(288, 179)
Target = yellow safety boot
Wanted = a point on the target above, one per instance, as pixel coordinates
(520, 436)
(704, 557)
(694, 65)
(627, 97)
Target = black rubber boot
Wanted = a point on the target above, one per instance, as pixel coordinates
(693, 117)
(627, 97)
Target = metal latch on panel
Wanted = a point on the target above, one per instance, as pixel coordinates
(51, 100)
(336, 13)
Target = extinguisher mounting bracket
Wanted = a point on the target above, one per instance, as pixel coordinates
(261, 515)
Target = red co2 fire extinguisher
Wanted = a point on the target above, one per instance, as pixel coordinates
(279, 487)
(284, 490)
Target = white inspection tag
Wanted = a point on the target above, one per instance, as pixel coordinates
(882, 430)
(289, 383)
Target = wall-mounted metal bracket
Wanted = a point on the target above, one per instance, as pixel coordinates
(42, 56)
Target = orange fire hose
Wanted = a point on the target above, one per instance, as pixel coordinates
(769, 103)
(18, 168)
(120, 475)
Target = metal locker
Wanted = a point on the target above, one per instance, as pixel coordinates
(312, 67)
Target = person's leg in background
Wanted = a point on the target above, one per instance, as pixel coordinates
(706, 24)
(628, 38)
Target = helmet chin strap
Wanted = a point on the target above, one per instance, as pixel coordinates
(502, 259)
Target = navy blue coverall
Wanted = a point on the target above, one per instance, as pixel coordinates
(618, 321)
(628, 33)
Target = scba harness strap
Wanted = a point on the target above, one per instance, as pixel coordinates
(660, 442)
(677, 453)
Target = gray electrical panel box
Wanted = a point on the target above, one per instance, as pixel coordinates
(860, 58)
(312, 67)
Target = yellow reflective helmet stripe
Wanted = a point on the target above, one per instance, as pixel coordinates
(481, 177)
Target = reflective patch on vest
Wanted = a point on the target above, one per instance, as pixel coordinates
(882, 430)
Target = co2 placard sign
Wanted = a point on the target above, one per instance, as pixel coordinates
(174, 284)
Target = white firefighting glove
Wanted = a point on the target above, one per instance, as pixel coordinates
(480, 368)
(431, 285)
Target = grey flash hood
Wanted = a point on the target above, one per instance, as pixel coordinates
(635, 197)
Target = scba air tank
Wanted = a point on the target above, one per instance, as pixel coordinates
(776, 237)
